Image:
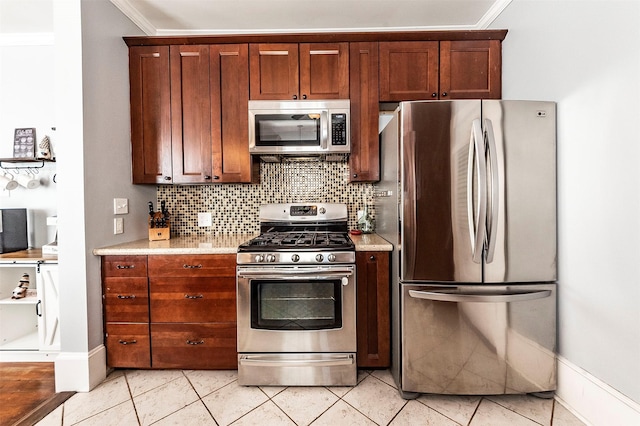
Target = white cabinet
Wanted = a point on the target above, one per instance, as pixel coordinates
(29, 328)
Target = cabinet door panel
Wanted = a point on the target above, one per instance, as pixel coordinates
(229, 113)
(124, 266)
(364, 161)
(215, 265)
(180, 299)
(150, 114)
(471, 69)
(373, 318)
(194, 346)
(190, 108)
(126, 299)
(409, 70)
(324, 71)
(128, 345)
(274, 71)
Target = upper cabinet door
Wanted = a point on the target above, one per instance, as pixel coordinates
(229, 113)
(324, 71)
(274, 71)
(471, 69)
(408, 70)
(150, 114)
(321, 71)
(364, 161)
(191, 108)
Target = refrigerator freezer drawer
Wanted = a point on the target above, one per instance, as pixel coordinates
(478, 339)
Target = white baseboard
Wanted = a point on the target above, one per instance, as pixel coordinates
(593, 401)
(80, 371)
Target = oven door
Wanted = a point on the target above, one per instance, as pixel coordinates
(296, 309)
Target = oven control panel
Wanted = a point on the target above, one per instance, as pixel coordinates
(303, 210)
(300, 258)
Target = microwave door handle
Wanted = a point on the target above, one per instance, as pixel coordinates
(325, 123)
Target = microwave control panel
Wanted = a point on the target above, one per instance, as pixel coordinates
(338, 129)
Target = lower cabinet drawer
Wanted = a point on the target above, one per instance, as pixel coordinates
(128, 345)
(194, 346)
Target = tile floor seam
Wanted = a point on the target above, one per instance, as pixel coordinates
(135, 409)
(443, 414)
(520, 414)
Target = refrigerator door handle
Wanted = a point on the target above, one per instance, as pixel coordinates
(494, 186)
(477, 216)
(479, 297)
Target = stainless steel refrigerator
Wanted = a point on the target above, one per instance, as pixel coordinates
(468, 199)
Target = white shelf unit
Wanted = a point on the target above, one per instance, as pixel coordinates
(29, 329)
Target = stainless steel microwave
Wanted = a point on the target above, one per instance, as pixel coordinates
(306, 127)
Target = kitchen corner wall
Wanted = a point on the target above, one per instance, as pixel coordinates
(234, 207)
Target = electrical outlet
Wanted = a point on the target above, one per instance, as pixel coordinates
(118, 225)
(204, 219)
(120, 205)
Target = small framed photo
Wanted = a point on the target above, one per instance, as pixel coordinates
(24, 143)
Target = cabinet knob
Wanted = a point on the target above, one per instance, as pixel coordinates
(167, 178)
(355, 175)
(444, 94)
(372, 257)
(304, 96)
(207, 177)
(295, 97)
(434, 95)
(216, 178)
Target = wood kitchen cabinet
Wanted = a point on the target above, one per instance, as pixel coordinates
(125, 296)
(458, 69)
(192, 301)
(364, 161)
(285, 71)
(180, 132)
(373, 309)
(170, 311)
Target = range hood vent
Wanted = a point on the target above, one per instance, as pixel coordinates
(293, 158)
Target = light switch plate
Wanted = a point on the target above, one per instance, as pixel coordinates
(204, 219)
(118, 225)
(120, 205)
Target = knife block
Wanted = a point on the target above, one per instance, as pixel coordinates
(159, 234)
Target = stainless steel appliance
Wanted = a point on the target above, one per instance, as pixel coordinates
(299, 128)
(296, 298)
(468, 198)
(13, 230)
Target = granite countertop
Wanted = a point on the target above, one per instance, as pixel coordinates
(211, 244)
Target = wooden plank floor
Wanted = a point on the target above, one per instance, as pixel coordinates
(27, 392)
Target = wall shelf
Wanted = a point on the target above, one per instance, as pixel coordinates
(24, 163)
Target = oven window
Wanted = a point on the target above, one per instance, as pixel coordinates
(287, 130)
(296, 305)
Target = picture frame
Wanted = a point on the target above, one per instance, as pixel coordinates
(24, 143)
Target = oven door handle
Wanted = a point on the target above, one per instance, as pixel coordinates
(279, 361)
(279, 273)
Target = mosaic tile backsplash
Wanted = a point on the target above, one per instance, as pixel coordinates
(234, 207)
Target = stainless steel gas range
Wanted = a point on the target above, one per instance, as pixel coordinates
(296, 291)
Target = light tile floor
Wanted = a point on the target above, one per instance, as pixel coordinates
(197, 397)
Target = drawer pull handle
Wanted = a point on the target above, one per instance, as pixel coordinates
(185, 266)
(193, 296)
(130, 342)
(122, 296)
(195, 342)
(125, 266)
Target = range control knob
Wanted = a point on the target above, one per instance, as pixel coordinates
(295, 258)
(323, 210)
(331, 258)
(259, 258)
(271, 258)
(319, 258)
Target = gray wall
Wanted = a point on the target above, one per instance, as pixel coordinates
(585, 56)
